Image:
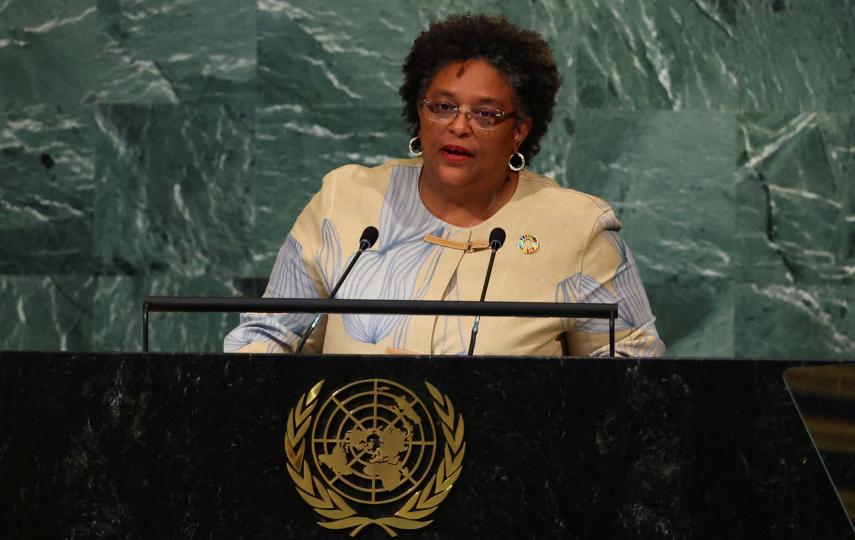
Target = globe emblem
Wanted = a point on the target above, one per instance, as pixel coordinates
(373, 441)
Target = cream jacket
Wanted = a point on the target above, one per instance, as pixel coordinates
(579, 257)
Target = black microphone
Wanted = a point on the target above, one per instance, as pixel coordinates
(497, 239)
(368, 238)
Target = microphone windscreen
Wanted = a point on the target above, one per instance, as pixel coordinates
(369, 237)
(497, 238)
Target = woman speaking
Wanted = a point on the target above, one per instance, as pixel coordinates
(478, 94)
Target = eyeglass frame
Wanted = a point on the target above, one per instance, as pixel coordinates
(500, 116)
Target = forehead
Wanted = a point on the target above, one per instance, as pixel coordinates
(471, 81)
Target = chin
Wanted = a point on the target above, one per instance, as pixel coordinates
(455, 176)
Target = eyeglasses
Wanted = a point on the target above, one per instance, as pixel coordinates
(484, 117)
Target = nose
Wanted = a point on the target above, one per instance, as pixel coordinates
(460, 125)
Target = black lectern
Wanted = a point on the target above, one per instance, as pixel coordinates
(227, 446)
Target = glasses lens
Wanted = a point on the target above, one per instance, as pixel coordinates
(485, 118)
(443, 111)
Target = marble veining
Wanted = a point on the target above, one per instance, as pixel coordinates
(47, 168)
(169, 145)
(794, 192)
(174, 189)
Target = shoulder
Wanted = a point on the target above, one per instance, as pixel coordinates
(361, 176)
(362, 172)
(565, 203)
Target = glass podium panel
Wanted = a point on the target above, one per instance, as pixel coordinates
(825, 399)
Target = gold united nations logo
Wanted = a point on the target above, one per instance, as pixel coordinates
(373, 445)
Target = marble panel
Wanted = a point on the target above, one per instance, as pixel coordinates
(47, 50)
(332, 53)
(174, 189)
(657, 55)
(117, 314)
(127, 194)
(556, 147)
(722, 55)
(796, 321)
(669, 177)
(796, 234)
(46, 313)
(351, 53)
(796, 56)
(170, 51)
(46, 190)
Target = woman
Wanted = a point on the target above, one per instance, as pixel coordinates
(478, 94)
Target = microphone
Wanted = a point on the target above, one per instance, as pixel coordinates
(497, 239)
(368, 238)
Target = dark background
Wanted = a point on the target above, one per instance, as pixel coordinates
(162, 446)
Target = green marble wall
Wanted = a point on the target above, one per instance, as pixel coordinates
(166, 146)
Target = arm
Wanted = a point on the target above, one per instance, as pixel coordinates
(280, 332)
(297, 273)
(608, 273)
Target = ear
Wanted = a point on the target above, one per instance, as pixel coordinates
(521, 131)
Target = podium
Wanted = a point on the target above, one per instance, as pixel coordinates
(198, 446)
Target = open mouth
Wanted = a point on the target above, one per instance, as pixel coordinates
(455, 153)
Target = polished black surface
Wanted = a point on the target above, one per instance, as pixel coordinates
(191, 446)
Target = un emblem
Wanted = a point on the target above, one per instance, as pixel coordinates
(373, 444)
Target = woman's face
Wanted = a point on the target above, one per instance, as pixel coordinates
(457, 152)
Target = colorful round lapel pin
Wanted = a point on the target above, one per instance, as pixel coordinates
(528, 244)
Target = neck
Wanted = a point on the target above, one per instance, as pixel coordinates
(467, 206)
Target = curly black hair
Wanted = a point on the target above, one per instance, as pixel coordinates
(522, 56)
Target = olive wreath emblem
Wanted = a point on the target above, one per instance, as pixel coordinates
(332, 506)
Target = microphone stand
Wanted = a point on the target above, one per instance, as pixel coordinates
(369, 236)
(497, 238)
